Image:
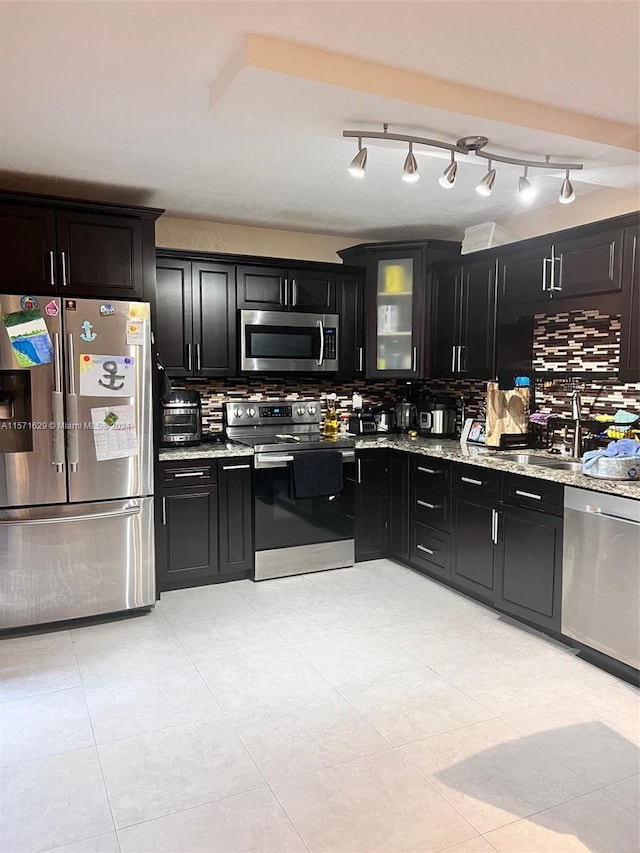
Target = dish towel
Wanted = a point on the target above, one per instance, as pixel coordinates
(317, 473)
(623, 447)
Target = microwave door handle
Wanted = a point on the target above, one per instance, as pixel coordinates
(320, 326)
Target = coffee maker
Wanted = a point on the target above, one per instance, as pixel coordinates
(437, 416)
(405, 410)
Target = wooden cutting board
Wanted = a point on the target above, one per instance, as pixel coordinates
(507, 412)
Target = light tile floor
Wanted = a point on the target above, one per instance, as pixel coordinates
(360, 710)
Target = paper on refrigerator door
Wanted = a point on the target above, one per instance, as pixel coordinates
(107, 375)
(114, 432)
(29, 337)
(137, 321)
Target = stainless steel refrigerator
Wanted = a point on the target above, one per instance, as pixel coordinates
(76, 459)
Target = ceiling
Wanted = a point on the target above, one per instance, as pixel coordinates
(111, 101)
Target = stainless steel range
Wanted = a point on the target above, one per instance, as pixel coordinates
(303, 487)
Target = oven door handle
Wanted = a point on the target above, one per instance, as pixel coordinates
(320, 326)
(269, 460)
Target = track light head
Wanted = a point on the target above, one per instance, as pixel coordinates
(410, 172)
(567, 194)
(526, 190)
(486, 184)
(448, 178)
(359, 163)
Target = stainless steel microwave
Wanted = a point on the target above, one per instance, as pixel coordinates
(285, 341)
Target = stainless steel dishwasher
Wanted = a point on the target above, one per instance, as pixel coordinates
(601, 573)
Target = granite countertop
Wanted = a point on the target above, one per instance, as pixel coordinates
(441, 449)
(501, 461)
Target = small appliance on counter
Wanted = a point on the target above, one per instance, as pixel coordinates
(437, 416)
(362, 423)
(181, 419)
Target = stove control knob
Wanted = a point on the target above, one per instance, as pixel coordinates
(300, 410)
(238, 412)
(312, 410)
(251, 413)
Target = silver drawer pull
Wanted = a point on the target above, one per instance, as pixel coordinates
(429, 506)
(472, 481)
(429, 470)
(529, 495)
(424, 548)
(191, 474)
(234, 467)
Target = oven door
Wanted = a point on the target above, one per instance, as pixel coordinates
(295, 535)
(285, 341)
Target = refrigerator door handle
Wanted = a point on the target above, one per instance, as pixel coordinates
(57, 408)
(72, 408)
(62, 519)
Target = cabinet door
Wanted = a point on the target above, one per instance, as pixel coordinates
(589, 264)
(174, 316)
(530, 562)
(396, 290)
(312, 290)
(525, 276)
(630, 338)
(262, 288)
(187, 545)
(235, 515)
(398, 503)
(101, 254)
(473, 551)
(477, 321)
(370, 505)
(445, 322)
(214, 319)
(27, 249)
(350, 302)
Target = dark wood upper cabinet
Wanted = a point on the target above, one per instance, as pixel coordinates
(463, 321)
(587, 264)
(28, 249)
(524, 275)
(174, 315)
(312, 290)
(630, 333)
(262, 288)
(74, 248)
(214, 319)
(350, 306)
(292, 289)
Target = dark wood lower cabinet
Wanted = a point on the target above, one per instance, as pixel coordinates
(397, 503)
(235, 515)
(187, 537)
(371, 504)
(474, 556)
(530, 565)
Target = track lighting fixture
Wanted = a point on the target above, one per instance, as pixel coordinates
(448, 178)
(359, 163)
(567, 194)
(526, 190)
(410, 172)
(485, 186)
(467, 145)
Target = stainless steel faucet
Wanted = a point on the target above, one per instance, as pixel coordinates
(576, 417)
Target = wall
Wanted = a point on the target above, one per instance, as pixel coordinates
(591, 207)
(204, 236)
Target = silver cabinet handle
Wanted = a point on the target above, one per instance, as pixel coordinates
(429, 506)
(462, 369)
(494, 526)
(359, 471)
(552, 287)
(198, 358)
(57, 408)
(429, 471)
(472, 481)
(320, 326)
(91, 516)
(294, 292)
(414, 360)
(286, 292)
(424, 548)
(164, 511)
(544, 273)
(283, 291)
(528, 495)
(64, 269)
(235, 467)
(52, 277)
(189, 358)
(73, 452)
(190, 474)
(453, 359)
(360, 359)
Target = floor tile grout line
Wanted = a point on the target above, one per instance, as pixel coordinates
(604, 791)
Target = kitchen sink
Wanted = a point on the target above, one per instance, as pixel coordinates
(545, 462)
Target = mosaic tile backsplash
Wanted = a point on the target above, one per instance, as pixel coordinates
(563, 343)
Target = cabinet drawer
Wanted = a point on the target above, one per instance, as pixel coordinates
(430, 549)
(431, 504)
(427, 469)
(478, 480)
(182, 473)
(533, 493)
